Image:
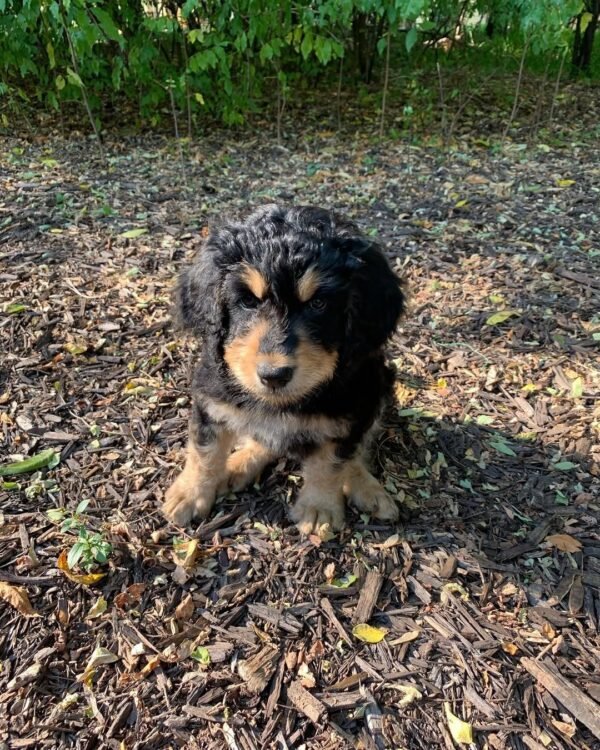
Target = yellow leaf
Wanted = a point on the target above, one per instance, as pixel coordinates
(565, 183)
(411, 694)
(497, 298)
(186, 553)
(453, 588)
(99, 656)
(500, 317)
(461, 204)
(461, 731)
(17, 598)
(441, 384)
(76, 348)
(510, 648)
(97, 609)
(87, 579)
(368, 633)
(530, 387)
(564, 542)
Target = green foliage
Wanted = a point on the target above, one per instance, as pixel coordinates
(90, 548)
(223, 58)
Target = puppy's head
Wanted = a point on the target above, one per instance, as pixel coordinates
(288, 298)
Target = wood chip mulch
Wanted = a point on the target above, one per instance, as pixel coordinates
(242, 634)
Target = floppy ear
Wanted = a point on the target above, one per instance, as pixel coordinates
(376, 298)
(198, 297)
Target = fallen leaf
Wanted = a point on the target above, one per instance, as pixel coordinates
(484, 419)
(185, 554)
(185, 609)
(201, 655)
(500, 317)
(564, 466)
(343, 582)
(97, 609)
(25, 677)
(564, 542)
(411, 635)
(99, 657)
(453, 588)
(461, 731)
(565, 183)
(548, 631)
(329, 572)
(564, 728)
(46, 459)
(577, 388)
(76, 348)
(510, 648)
(17, 597)
(368, 633)
(87, 579)
(411, 694)
(131, 234)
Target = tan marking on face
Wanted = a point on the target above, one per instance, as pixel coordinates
(308, 284)
(255, 281)
(312, 365)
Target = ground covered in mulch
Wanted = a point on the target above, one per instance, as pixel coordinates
(240, 633)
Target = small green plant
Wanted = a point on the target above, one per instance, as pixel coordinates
(90, 547)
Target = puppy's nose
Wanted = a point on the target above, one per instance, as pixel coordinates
(274, 377)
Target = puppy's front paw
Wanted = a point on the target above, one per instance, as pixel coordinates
(365, 492)
(185, 501)
(312, 512)
(242, 469)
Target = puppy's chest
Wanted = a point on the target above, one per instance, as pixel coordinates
(281, 432)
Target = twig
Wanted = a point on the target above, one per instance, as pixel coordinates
(177, 138)
(442, 104)
(338, 96)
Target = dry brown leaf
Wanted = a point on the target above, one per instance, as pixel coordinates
(87, 579)
(185, 609)
(17, 597)
(510, 648)
(564, 542)
(565, 728)
(412, 635)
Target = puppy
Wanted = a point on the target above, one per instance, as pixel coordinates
(293, 307)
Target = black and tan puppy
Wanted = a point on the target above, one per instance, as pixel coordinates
(293, 307)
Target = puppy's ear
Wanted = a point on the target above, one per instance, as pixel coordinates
(198, 296)
(376, 298)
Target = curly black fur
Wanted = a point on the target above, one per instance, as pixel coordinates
(361, 298)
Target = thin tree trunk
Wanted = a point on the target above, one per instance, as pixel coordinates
(386, 81)
(442, 106)
(556, 88)
(517, 91)
(338, 97)
(83, 91)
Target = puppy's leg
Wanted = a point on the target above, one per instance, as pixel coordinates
(244, 465)
(193, 493)
(364, 491)
(321, 500)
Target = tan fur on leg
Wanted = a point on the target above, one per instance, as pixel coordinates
(320, 501)
(244, 465)
(193, 493)
(364, 491)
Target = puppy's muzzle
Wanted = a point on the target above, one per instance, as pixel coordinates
(274, 376)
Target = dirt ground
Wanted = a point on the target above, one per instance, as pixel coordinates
(241, 634)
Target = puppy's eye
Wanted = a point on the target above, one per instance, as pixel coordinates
(317, 304)
(248, 300)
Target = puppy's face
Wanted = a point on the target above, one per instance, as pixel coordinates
(288, 300)
(286, 327)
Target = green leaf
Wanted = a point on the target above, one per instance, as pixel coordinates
(81, 508)
(16, 308)
(108, 26)
(74, 78)
(75, 554)
(343, 582)
(56, 515)
(565, 466)
(46, 459)
(500, 317)
(577, 388)
(131, 234)
(201, 654)
(502, 447)
(60, 82)
(484, 419)
(411, 38)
